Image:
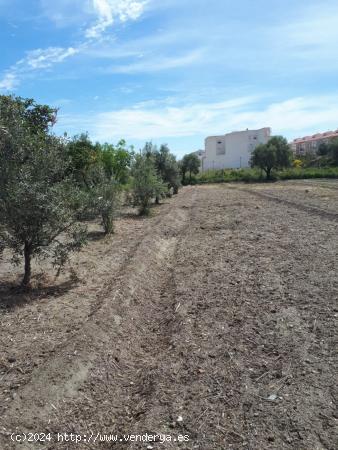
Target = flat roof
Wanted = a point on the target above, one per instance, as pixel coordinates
(240, 131)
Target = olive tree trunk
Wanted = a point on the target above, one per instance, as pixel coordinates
(28, 264)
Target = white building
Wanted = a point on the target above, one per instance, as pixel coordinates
(232, 150)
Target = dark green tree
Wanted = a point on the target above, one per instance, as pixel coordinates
(333, 150)
(35, 118)
(190, 164)
(276, 154)
(264, 157)
(84, 160)
(323, 149)
(283, 151)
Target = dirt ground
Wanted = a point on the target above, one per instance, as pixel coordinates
(213, 319)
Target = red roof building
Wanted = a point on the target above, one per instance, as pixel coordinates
(310, 144)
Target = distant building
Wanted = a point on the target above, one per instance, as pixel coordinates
(309, 144)
(232, 150)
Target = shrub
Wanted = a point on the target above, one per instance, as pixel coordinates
(228, 175)
(106, 199)
(311, 172)
(297, 163)
(255, 175)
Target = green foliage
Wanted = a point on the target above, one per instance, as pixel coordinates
(264, 157)
(100, 171)
(189, 164)
(84, 159)
(283, 151)
(309, 172)
(146, 184)
(38, 200)
(323, 149)
(116, 161)
(276, 154)
(228, 176)
(87, 160)
(333, 150)
(34, 118)
(255, 175)
(106, 201)
(165, 164)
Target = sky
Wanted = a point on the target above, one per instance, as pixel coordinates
(174, 71)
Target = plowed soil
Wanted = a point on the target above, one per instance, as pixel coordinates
(214, 319)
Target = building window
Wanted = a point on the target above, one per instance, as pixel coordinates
(220, 148)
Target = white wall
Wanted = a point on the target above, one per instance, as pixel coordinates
(233, 150)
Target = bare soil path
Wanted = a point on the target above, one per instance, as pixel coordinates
(214, 319)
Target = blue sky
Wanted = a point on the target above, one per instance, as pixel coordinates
(174, 71)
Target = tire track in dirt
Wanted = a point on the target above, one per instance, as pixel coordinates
(69, 363)
(306, 208)
(131, 369)
(147, 399)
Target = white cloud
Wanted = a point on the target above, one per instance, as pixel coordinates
(157, 63)
(9, 82)
(65, 13)
(317, 27)
(35, 60)
(312, 38)
(109, 10)
(293, 117)
(44, 58)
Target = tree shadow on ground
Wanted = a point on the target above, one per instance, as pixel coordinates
(96, 235)
(133, 215)
(12, 296)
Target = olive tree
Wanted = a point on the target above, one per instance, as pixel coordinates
(146, 184)
(265, 158)
(191, 164)
(276, 154)
(39, 201)
(106, 202)
(167, 167)
(283, 151)
(2, 243)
